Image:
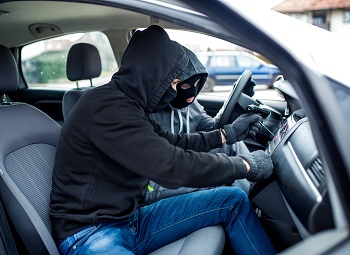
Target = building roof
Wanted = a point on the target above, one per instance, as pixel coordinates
(289, 6)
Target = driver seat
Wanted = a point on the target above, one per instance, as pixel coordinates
(205, 241)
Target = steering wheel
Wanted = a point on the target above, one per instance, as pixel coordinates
(232, 99)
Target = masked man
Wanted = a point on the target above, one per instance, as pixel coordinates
(109, 149)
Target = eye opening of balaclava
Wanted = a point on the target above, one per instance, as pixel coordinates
(183, 94)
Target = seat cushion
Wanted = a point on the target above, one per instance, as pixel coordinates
(205, 241)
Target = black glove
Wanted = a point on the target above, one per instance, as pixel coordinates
(244, 125)
(255, 128)
(261, 166)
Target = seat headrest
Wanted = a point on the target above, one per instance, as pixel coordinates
(9, 78)
(83, 62)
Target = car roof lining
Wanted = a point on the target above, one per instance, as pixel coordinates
(67, 17)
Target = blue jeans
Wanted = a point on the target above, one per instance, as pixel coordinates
(170, 219)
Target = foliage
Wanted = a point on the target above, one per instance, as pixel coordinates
(47, 67)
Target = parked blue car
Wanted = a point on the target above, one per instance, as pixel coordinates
(224, 68)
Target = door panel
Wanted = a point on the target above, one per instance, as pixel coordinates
(49, 101)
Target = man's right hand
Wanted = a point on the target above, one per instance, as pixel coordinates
(261, 166)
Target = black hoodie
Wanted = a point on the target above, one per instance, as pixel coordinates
(108, 148)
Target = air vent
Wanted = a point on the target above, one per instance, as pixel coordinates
(283, 129)
(316, 172)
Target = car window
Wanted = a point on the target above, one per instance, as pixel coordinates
(247, 62)
(223, 61)
(203, 59)
(44, 62)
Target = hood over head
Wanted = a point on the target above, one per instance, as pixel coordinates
(194, 71)
(149, 65)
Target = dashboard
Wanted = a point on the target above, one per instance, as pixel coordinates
(294, 203)
(299, 172)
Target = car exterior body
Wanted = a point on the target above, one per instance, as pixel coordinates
(302, 212)
(225, 67)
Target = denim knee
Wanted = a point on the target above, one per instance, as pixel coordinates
(234, 195)
(233, 191)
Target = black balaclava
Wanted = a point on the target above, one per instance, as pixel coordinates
(167, 97)
(183, 94)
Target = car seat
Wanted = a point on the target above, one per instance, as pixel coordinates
(83, 63)
(205, 241)
(27, 151)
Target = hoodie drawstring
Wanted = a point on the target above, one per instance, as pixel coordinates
(188, 120)
(172, 120)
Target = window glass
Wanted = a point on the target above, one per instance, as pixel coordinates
(318, 19)
(44, 62)
(303, 17)
(346, 16)
(300, 16)
(246, 62)
(222, 61)
(203, 59)
(218, 57)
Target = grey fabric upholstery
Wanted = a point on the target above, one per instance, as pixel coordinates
(83, 63)
(205, 241)
(27, 151)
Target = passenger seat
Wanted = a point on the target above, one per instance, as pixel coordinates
(83, 63)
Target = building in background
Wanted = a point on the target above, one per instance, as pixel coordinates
(332, 15)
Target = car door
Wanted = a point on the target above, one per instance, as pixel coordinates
(49, 101)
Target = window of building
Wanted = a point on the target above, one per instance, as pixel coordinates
(318, 20)
(346, 16)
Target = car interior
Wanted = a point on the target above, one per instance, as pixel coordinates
(292, 206)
